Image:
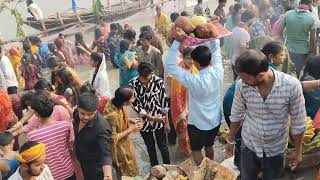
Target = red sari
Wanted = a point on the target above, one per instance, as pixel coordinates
(179, 111)
(7, 116)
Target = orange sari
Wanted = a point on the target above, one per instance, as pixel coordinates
(179, 111)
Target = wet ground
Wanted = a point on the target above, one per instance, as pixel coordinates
(147, 17)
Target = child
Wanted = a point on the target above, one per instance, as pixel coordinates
(9, 156)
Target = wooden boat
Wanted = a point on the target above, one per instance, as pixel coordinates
(59, 22)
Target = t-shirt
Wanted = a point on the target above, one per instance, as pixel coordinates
(45, 175)
(58, 138)
(239, 39)
(36, 11)
(7, 73)
(298, 24)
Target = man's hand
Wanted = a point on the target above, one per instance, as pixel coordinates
(295, 161)
(157, 118)
(178, 34)
(229, 150)
(167, 128)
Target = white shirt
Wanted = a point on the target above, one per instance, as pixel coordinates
(7, 73)
(239, 39)
(45, 175)
(316, 15)
(36, 11)
(101, 81)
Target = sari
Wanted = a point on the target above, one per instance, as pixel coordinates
(7, 116)
(123, 154)
(61, 47)
(125, 61)
(179, 111)
(15, 57)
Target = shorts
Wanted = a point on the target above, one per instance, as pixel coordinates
(201, 138)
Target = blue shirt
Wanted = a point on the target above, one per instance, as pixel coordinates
(203, 88)
(13, 164)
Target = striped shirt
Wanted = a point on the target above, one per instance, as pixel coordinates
(149, 100)
(265, 127)
(58, 138)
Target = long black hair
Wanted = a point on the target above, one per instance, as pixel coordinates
(96, 57)
(43, 84)
(273, 48)
(122, 95)
(79, 40)
(312, 68)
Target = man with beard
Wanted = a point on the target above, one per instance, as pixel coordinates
(32, 156)
(264, 100)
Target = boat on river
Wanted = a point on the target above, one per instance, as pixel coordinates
(59, 22)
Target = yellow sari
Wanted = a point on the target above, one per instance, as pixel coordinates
(123, 154)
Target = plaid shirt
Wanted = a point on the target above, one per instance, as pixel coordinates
(265, 127)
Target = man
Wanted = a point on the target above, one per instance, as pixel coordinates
(151, 104)
(36, 13)
(220, 12)
(93, 139)
(240, 37)
(300, 34)
(264, 100)
(204, 90)
(32, 156)
(262, 26)
(58, 137)
(198, 9)
(8, 76)
(161, 21)
(7, 153)
(148, 53)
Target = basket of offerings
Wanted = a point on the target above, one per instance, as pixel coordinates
(199, 30)
(310, 148)
(208, 170)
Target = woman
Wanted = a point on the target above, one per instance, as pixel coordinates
(232, 21)
(122, 149)
(7, 116)
(15, 57)
(67, 86)
(79, 54)
(99, 76)
(179, 104)
(127, 63)
(99, 44)
(312, 97)
(87, 87)
(61, 47)
(278, 59)
(61, 107)
(28, 72)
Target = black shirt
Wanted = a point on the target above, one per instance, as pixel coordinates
(93, 145)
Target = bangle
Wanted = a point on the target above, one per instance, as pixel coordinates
(229, 142)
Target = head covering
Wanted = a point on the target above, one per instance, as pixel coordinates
(31, 154)
(7, 115)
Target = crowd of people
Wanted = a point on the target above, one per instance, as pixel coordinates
(71, 128)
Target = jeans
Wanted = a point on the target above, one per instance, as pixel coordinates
(251, 165)
(299, 61)
(172, 135)
(161, 138)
